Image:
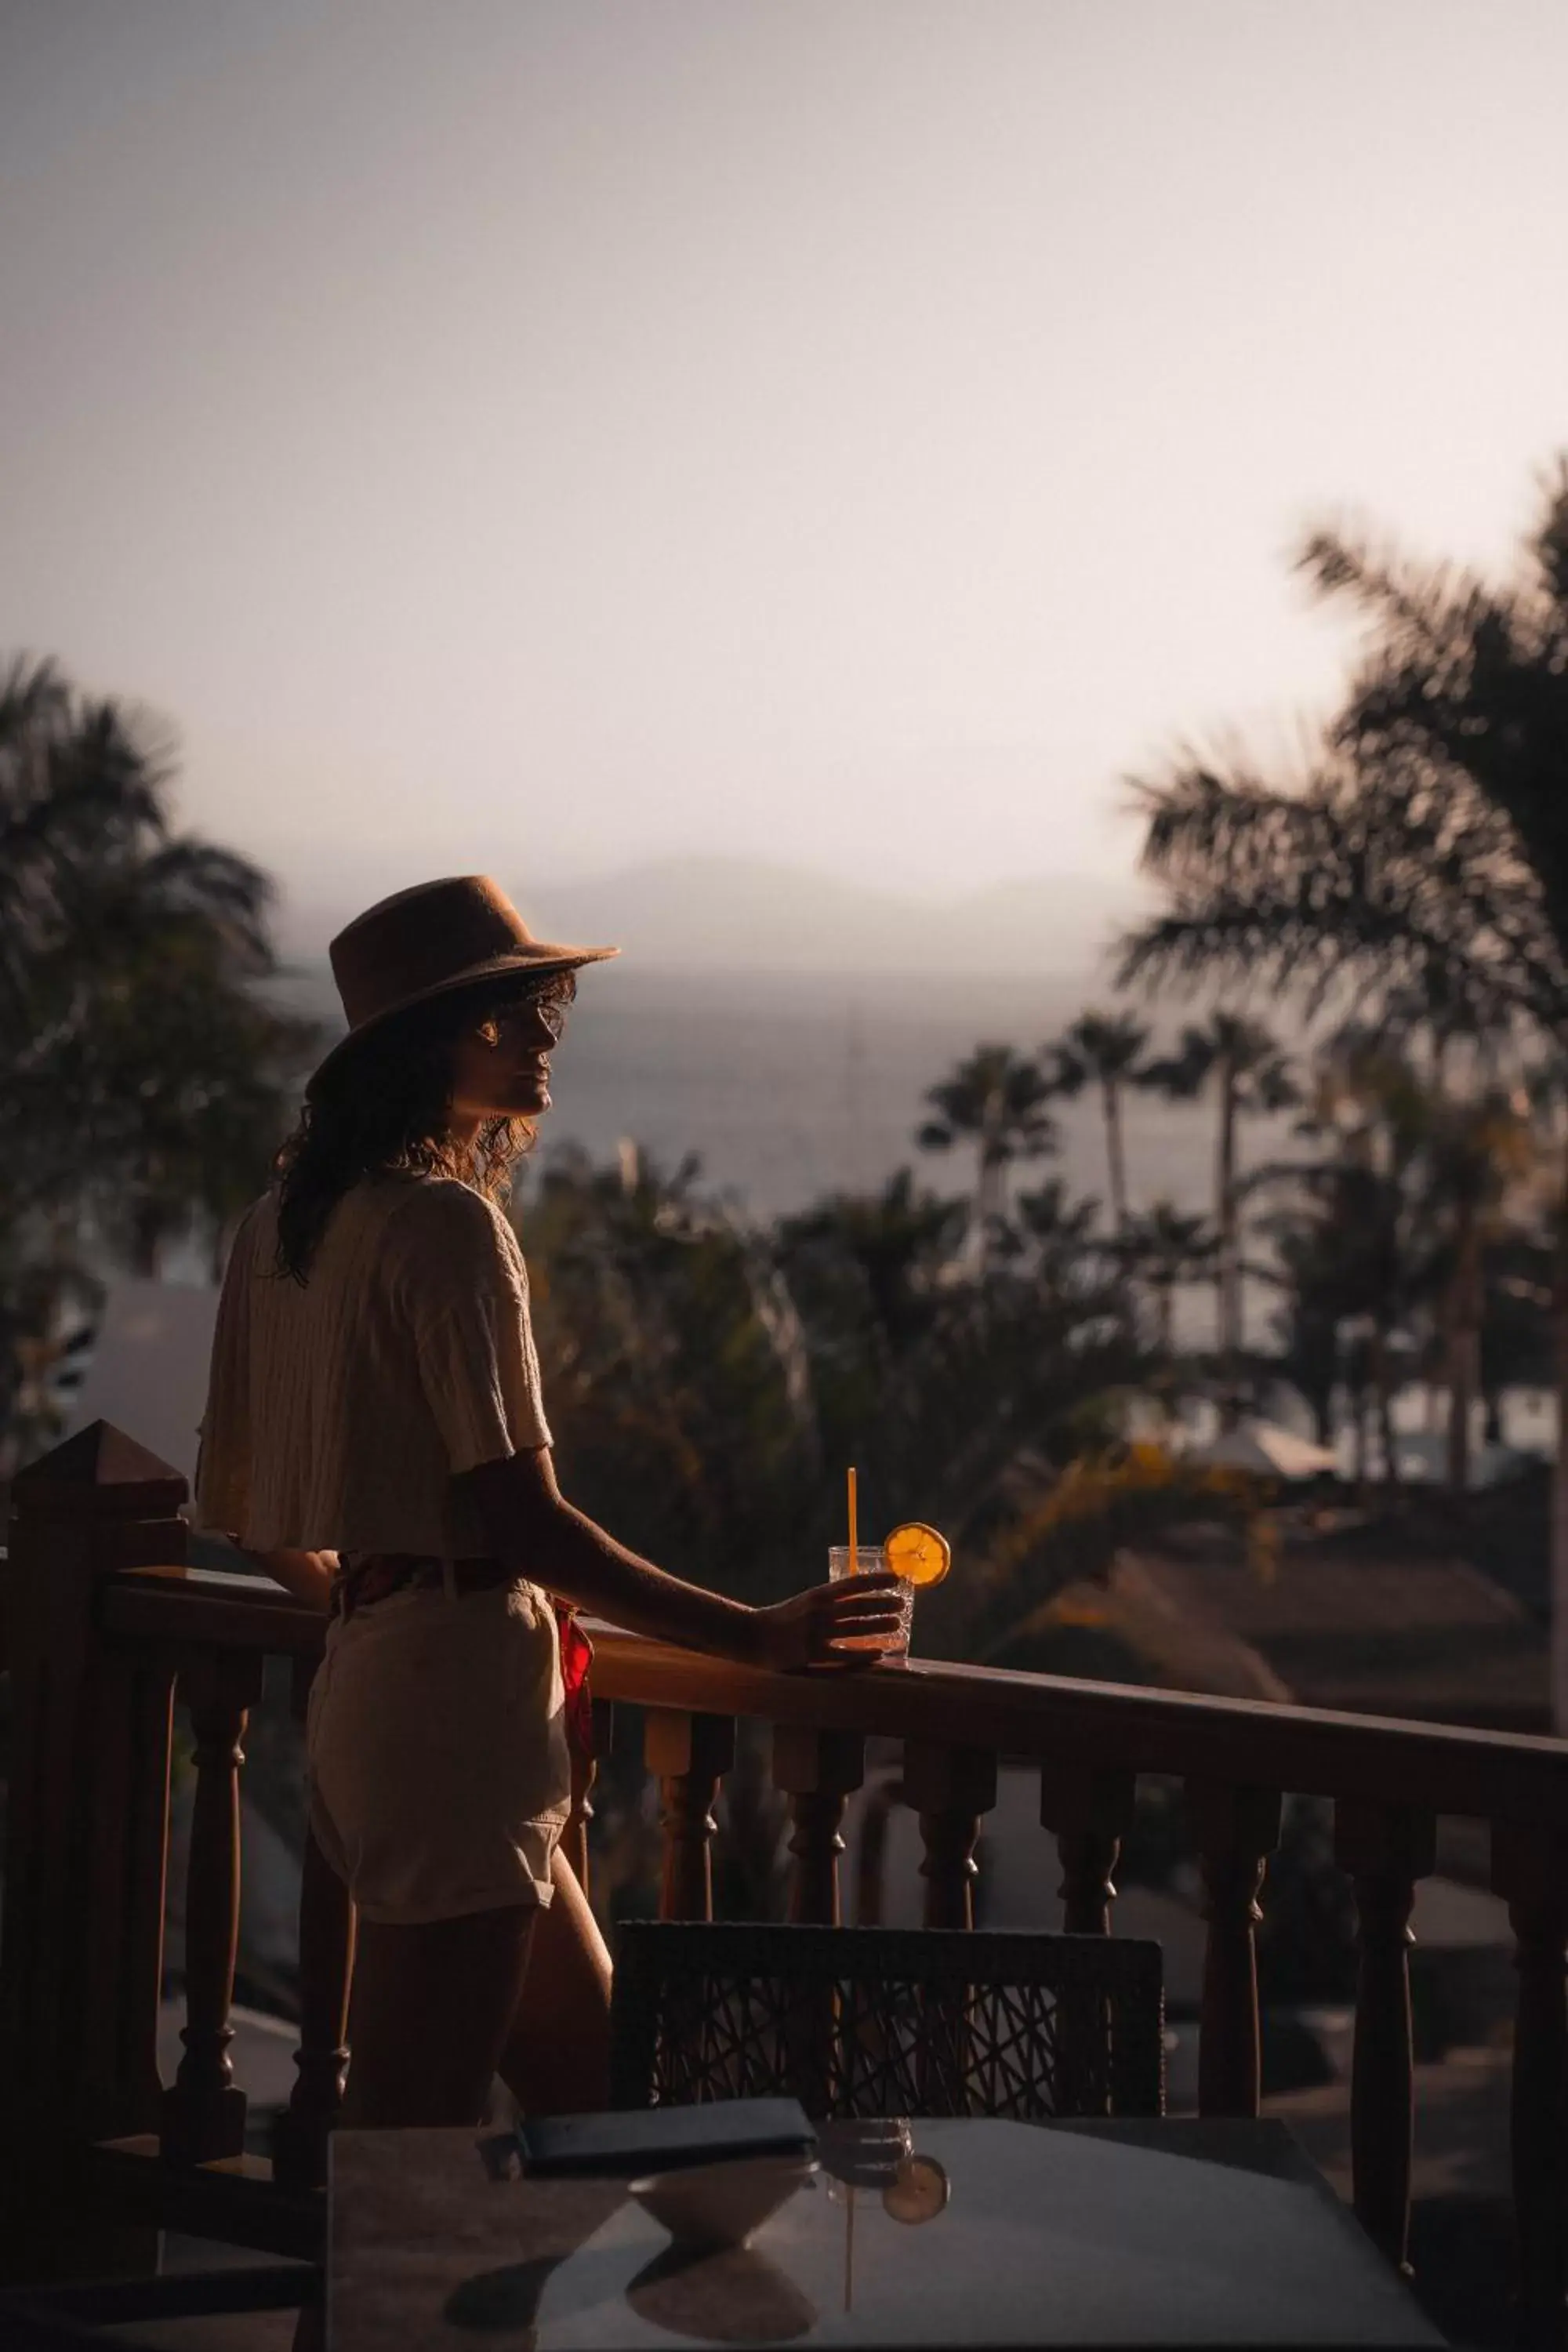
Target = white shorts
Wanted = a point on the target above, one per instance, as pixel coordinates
(438, 1770)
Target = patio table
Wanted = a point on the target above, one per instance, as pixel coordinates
(1168, 2232)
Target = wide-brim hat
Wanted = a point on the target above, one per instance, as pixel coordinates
(430, 942)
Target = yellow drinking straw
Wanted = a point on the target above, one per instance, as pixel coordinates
(854, 1555)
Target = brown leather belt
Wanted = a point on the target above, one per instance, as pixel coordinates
(366, 1576)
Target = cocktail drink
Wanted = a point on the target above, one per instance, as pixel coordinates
(869, 1560)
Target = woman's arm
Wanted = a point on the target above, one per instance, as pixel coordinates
(527, 1519)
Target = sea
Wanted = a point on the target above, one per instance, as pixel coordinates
(787, 1086)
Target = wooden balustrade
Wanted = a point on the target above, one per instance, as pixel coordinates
(104, 1616)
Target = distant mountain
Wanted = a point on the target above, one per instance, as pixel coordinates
(704, 914)
(713, 914)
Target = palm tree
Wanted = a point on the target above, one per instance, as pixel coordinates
(899, 1241)
(1240, 1060)
(1102, 1049)
(1395, 1223)
(1424, 850)
(1479, 1153)
(144, 1078)
(1351, 1250)
(1310, 1317)
(1167, 1250)
(87, 860)
(1058, 1232)
(996, 1101)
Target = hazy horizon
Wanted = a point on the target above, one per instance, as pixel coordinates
(714, 915)
(552, 437)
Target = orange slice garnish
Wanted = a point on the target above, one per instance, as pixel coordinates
(918, 1553)
(919, 2190)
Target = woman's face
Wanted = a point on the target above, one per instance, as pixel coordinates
(500, 1067)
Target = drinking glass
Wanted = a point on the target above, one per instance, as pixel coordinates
(867, 1560)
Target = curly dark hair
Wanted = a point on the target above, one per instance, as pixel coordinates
(382, 1107)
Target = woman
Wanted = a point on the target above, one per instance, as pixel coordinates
(376, 1437)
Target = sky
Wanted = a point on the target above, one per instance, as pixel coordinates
(555, 435)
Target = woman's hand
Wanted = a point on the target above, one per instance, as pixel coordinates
(810, 1628)
(308, 1575)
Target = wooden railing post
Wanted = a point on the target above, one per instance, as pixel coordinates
(690, 1754)
(1238, 1829)
(86, 1827)
(1530, 1871)
(1089, 1812)
(327, 1922)
(818, 1771)
(952, 1789)
(1384, 1848)
(203, 2114)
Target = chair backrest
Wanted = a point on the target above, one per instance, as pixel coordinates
(857, 2021)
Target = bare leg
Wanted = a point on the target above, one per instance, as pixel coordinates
(428, 2016)
(556, 2060)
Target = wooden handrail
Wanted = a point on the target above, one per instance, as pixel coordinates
(1025, 1717)
(202, 1608)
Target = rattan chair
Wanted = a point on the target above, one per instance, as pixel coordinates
(858, 2022)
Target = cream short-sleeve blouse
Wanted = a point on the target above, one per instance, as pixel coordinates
(338, 1411)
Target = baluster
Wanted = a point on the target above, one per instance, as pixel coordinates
(1089, 1812)
(203, 2114)
(1386, 1849)
(690, 1754)
(951, 1789)
(1238, 1829)
(1530, 1871)
(327, 1925)
(818, 1771)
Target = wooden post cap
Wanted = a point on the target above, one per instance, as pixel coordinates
(98, 1473)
